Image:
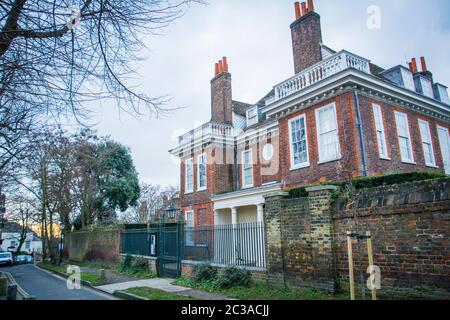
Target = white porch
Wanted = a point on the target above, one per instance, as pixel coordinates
(239, 227)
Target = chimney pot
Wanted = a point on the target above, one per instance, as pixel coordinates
(310, 5)
(225, 64)
(298, 13)
(304, 11)
(424, 64)
(414, 65)
(220, 66)
(217, 69)
(411, 66)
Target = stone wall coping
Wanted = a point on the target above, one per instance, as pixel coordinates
(254, 269)
(276, 194)
(138, 256)
(321, 188)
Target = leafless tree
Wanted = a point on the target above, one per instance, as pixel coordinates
(23, 210)
(57, 56)
(152, 196)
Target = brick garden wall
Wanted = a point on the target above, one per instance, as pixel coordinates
(299, 241)
(410, 228)
(93, 245)
(410, 223)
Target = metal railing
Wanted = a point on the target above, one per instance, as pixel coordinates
(236, 245)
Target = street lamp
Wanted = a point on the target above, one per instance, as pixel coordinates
(61, 244)
(170, 211)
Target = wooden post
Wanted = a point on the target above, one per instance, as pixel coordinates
(372, 271)
(350, 266)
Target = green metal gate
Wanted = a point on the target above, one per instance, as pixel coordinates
(169, 250)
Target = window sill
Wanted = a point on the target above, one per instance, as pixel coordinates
(409, 162)
(386, 158)
(300, 166)
(188, 192)
(331, 160)
(247, 187)
(202, 189)
(432, 166)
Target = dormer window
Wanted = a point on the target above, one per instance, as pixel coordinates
(424, 86)
(252, 116)
(441, 93)
(408, 79)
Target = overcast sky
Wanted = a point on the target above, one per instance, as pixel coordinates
(256, 38)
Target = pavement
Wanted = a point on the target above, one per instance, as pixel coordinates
(45, 285)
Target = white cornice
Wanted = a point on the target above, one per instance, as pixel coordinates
(371, 85)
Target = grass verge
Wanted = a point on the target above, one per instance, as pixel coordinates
(93, 278)
(260, 291)
(155, 294)
(118, 269)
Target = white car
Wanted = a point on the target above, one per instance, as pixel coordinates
(6, 258)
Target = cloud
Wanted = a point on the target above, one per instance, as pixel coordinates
(256, 38)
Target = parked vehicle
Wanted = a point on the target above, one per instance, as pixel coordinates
(22, 259)
(29, 259)
(6, 258)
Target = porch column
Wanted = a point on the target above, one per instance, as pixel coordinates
(216, 217)
(234, 222)
(217, 239)
(234, 219)
(260, 235)
(260, 211)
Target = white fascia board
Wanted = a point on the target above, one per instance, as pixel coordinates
(243, 198)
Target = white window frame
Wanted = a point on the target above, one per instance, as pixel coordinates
(199, 187)
(338, 155)
(445, 158)
(377, 112)
(186, 163)
(430, 143)
(291, 145)
(189, 233)
(402, 114)
(247, 185)
(254, 119)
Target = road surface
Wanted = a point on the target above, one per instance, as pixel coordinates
(47, 286)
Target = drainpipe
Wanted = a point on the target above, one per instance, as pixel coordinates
(361, 134)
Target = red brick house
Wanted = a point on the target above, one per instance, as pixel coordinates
(338, 114)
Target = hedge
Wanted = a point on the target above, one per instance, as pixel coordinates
(372, 182)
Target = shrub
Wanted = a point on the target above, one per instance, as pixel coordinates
(372, 182)
(204, 272)
(139, 264)
(126, 263)
(234, 277)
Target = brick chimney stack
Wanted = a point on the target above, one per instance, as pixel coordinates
(425, 72)
(221, 94)
(306, 36)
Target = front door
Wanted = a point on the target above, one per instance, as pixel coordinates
(444, 142)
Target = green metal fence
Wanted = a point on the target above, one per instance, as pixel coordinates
(136, 242)
(238, 245)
